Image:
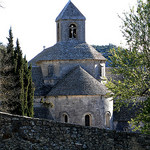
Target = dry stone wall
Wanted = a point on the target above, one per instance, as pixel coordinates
(23, 133)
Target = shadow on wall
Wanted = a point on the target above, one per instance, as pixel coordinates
(42, 112)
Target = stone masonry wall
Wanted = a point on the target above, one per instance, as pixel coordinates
(23, 133)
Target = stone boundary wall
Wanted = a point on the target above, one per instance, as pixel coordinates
(24, 133)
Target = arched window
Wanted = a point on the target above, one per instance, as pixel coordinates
(108, 115)
(72, 31)
(126, 129)
(50, 70)
(87, 120)
(65, 118)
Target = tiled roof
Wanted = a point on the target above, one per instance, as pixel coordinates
(78, 82)
(37, 77)
(70, 11)
(71, 50)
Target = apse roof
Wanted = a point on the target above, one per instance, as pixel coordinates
(70, 11)
(78, 82)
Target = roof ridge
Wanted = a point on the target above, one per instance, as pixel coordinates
(63, 9)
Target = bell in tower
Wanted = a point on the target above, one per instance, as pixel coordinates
(70, 24)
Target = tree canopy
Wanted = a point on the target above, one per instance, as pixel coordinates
(105, 51)
(133, 65)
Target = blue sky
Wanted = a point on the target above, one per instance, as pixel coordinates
(33, 21)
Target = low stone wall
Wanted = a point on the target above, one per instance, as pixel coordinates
(23, 133)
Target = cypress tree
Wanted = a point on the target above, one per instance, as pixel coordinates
(2, 77)
(30, 94)
(10, 46)
(8, 74)
(19, 80)
(26, 85)
(17, 89)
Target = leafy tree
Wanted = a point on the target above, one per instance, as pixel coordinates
(105, 51)
(133, 65)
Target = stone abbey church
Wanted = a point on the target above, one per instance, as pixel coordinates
(70, 76)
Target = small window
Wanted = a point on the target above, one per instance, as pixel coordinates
(87, 120)
(50, 70)
(72, 31)
(125, 129)
(108, 115)
(58, 33)
(97, 70)
(65, 118)
(101, 69)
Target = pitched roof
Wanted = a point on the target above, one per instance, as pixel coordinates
(70, 50)
(37, 77)
(78, 82)
(70, 11)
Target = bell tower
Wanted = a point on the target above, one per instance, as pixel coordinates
(70, 24)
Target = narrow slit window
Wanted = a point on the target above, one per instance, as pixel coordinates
(108, 115)
(58, 33)
(101, 70)
(87, 120)
(65, 118)
(50, 70)
(72, 31)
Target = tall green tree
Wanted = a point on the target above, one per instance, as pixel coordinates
(28, 89)
(8, 82)
(18, 73)
(17, 90)
(2, 58)
(133, 66)
(26, 86)
(30, 94)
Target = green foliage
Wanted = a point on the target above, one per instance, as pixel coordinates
(46, 103)
(30, 94)
(7, 75)
(26, 85)
(144, 117)
(2, 54)
(18, 73)
(105, 51)
(17, 87)
(10, 46)
(133, 66)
